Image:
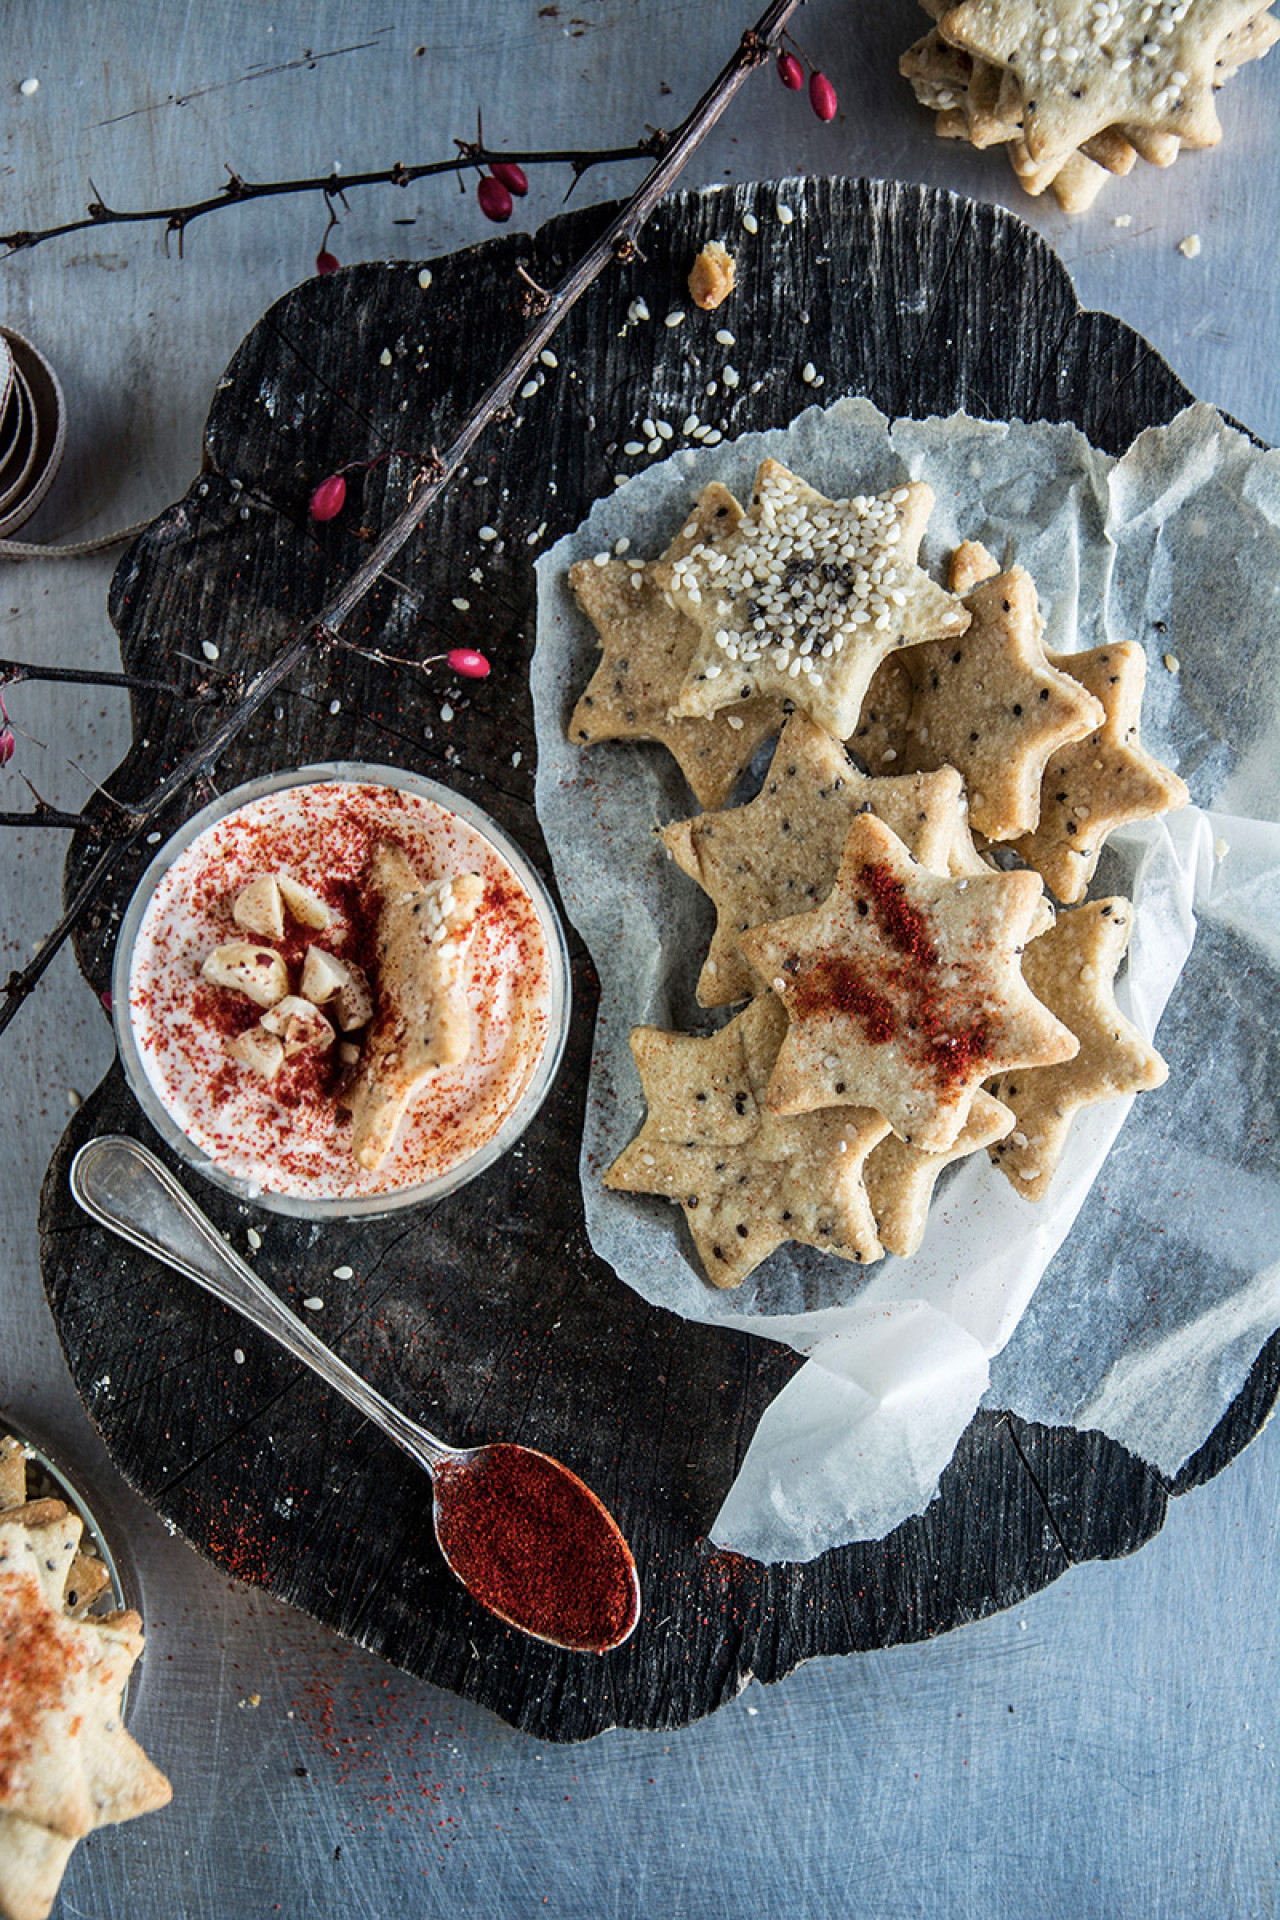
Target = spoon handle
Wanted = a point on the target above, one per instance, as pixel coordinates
(124, 1187)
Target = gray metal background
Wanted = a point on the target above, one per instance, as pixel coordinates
(1106, 1749)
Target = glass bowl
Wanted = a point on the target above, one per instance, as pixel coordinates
(174, 917)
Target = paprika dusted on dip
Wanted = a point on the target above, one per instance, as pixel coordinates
(340, 991)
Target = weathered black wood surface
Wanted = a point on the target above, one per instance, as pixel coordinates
(488, 1314)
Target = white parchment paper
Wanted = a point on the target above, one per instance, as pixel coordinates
(1136, 1297)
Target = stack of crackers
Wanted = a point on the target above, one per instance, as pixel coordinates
(67, 1765)
(1078, 90)
(886, 911)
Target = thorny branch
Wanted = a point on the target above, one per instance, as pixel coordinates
(426, 484)
(235, 190)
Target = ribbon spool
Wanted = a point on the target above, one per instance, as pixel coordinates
(33, 434)
(33, 429)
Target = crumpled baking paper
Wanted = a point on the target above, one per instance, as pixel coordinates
(1135, 1298)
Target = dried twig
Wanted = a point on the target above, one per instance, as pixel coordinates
(14, 672)
(334, 186)
(617, 241)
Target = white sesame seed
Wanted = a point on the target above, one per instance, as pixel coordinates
(548, 358)
(1190, 247)
(674, 318)
(621, 546)
(750, 222)
(689, 424)
(1123, 220)
(446, 713)
(637, 311)
(1172, 663)
(208, 649)
(633, 447)
(343, 1273)
(600, 559)
(648, 429)
(808, 373)
(254, 1238)
(313, 1303)
(654, 445)
(528, 390)
(711, 439)
(785, 213)
(335, 706)
(238, 1356)
(729, 375)
(384, 358)
(462, 605)
(488, 533)
(29, 87)
(666, 429)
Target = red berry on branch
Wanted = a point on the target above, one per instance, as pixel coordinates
(326, 262)
(822, 97)
(470, 664)
(495, 200)
(512, 176)
(790, 72)
(329, 498)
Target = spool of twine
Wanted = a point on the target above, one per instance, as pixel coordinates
(33, 435)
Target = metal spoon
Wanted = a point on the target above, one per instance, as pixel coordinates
(522, 1533)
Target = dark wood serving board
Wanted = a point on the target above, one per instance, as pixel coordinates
(487, 1314)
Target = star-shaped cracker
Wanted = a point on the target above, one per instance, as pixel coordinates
(780, 853)
(1072, 969)
(1101, 782)
(647, 647)
(806, 597)
(1086, 65)
(904, 990)
(66, 1762)
(990, 703)
(748, 1180)
(900, 1179)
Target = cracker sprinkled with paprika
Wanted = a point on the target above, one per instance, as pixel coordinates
(780, 853)
(423, 1022)
(904, 990)
(67, 1764)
